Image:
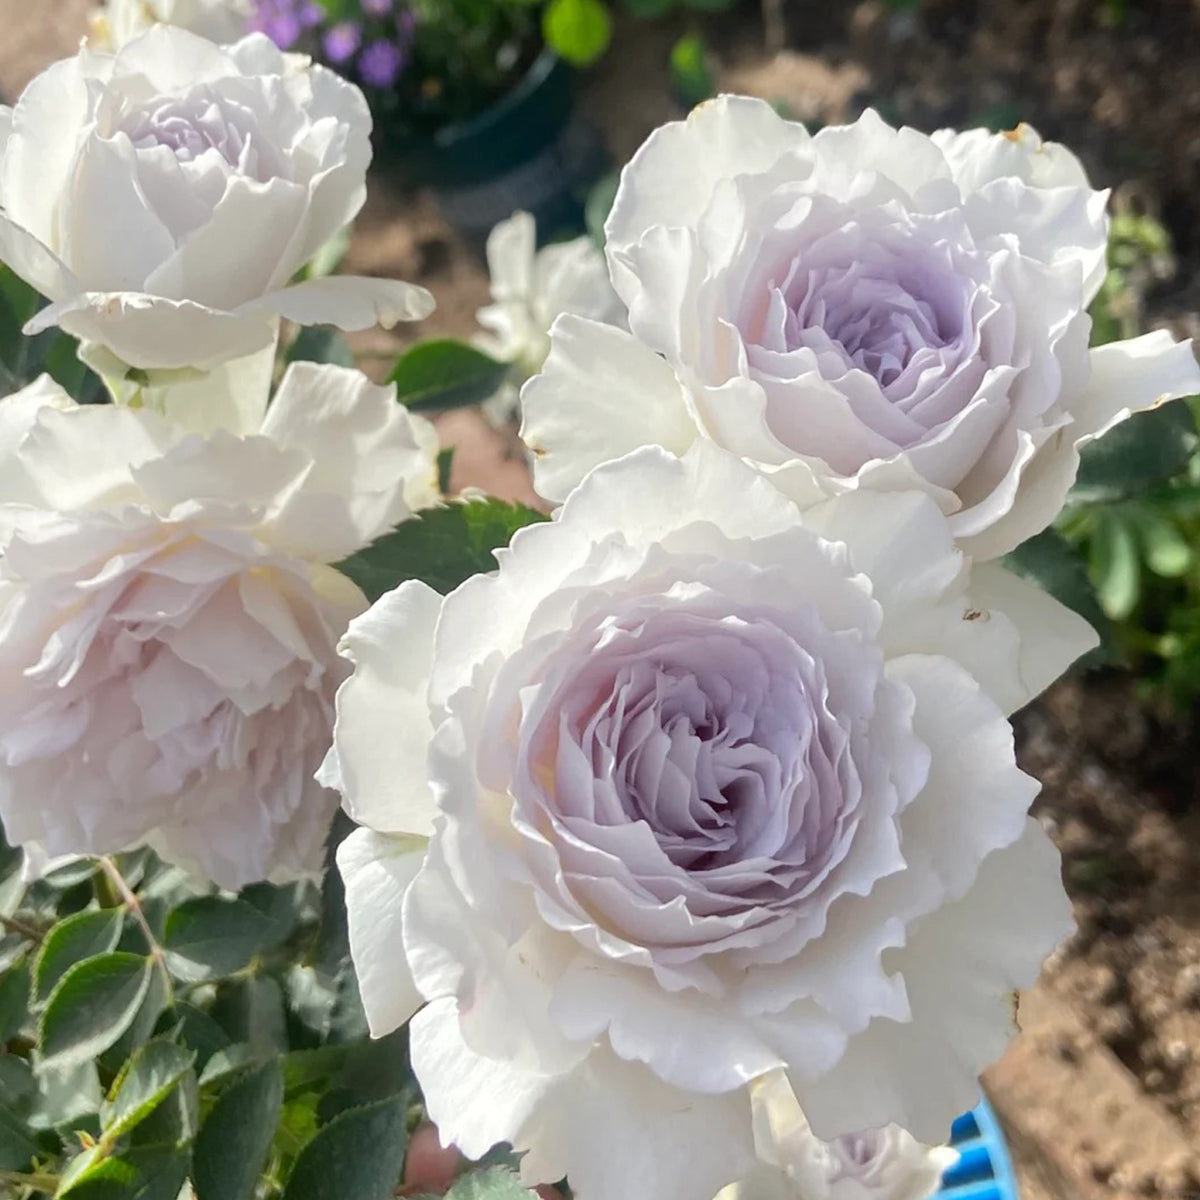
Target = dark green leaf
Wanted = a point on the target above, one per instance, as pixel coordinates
(320, 344)
(155, 1069)
(1050, 561)
(14, 998)
(149, 1173)
(359, 1153)
(17, 1145)
(445, 464)
(444, 373)
(92, 1006)
(442, 546)
(251, 1011)
(284, 906)
(1145, 450)
(199, 1033)
(236, 1136)
(81, 936)
(212, 938)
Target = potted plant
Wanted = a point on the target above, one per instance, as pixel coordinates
(474, 98)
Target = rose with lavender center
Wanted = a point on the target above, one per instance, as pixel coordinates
(697, 774)
(867, 307)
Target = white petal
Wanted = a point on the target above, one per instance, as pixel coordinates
(156, 334)
(1130, 376)
(1051, 636)
(511, 247)
(377, 870)
(600, 395)
(28, 258)
(382, 732)
(962, 964)
(670, 180)
(365, 447)
(349, 302)
(475, 1102)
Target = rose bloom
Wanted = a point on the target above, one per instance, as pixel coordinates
(711, 787)
(168, 620)
(120, 21)
(530, 289)
(863, 308)
(164, 197)
(874, 1164)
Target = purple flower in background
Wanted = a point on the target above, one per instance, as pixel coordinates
(342, 41)
(283, 21)
(377, 8)
(380, 64)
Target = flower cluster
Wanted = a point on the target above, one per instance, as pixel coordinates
(705, 842)
(691, 843)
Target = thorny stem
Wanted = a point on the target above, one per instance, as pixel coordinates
(134, 906)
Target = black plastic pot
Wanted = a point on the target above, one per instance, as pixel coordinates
(530, 150)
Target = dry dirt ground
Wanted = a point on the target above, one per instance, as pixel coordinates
(1101, 1093)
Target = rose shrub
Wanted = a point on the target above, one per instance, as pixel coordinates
(712, 787)
(866, 307)
(168, 620)
(164, 197)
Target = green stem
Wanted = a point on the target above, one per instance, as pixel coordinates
(16, 925)
(134, 907)
(39, 1181)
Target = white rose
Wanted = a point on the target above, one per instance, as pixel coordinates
(713, 788)
(530, 289)
(873, 1164)
(120, 21)
(864, 308)
(164, 197)
(168, 661)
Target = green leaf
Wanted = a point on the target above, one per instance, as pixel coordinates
(251, 1011)
(14, 998)
(1115, 565)
(444, 373)
(146, 1080)
(236, 1136)
(577, 30)
(199, 1033)
(81, 936)
(320, 344)
(212, 938)
(360, 1153)
(1168, 553)
(496, 1184)
(141, 1173)
(442, 546)
(1052, 563)
(1144, 450)
(92, 1006)
(691, 75)
(17, 1145)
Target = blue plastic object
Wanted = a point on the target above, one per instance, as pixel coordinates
(984, 1170)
